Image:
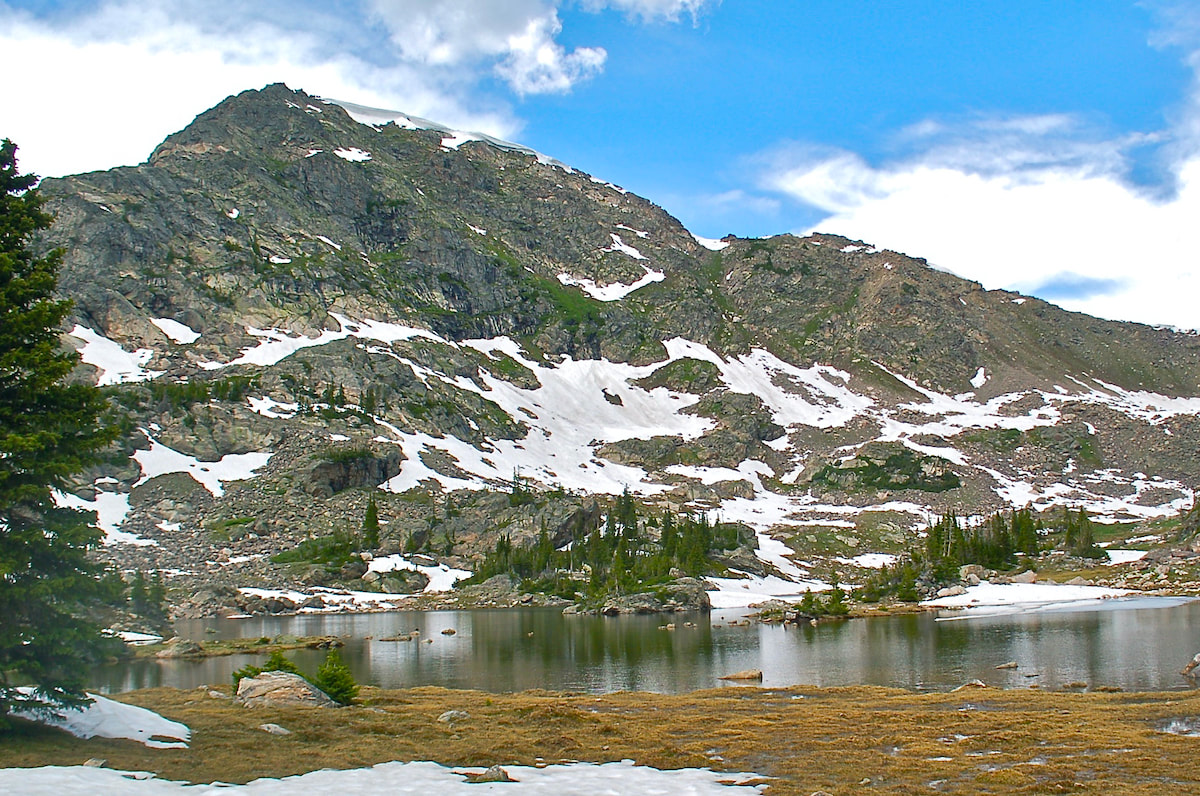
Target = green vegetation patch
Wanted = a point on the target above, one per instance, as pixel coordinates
(336, 549)
(684, 375)
(900, 469)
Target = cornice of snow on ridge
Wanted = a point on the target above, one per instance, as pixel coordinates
(379, 117)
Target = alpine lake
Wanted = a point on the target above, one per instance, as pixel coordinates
(1132, 644)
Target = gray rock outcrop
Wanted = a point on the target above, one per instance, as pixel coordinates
(277, 689)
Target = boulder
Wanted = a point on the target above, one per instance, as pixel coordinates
(1028, 576)
(970, 685)
(748, 674)
(641, 603)
(275, 689)
(968, 570)
(493, 774)
(352, 468)
(681, 594)
(181, 648)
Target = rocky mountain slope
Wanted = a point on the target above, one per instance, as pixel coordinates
(297, 302)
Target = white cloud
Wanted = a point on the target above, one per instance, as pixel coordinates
(1024, 231)
(1042, 204)
(102, 83)
(518, 34)
(652, 10)
(112, 83)
(535, 64)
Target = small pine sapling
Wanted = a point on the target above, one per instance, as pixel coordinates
(334, 678)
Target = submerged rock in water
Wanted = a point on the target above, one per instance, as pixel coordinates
(748, 674)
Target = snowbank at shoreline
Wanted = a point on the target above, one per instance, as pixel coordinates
(1020, 597)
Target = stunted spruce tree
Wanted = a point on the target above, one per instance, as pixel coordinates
(49, 430)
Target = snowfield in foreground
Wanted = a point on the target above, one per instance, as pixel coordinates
(574, 779)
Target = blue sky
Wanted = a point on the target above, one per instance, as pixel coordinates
(1050, 146)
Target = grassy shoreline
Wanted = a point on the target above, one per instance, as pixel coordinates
(805, 738)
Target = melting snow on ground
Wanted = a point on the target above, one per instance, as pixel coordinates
(105, 718)
(615, 291)
(116, 365)
(158, 460)
(619, 245)
(353, 154)
(111, 509)
(1116, 557)
(870, 560)
(578, 406)
(441, 577)
(277, 346)
(994, 598)
(178, 332)
(638, 232)
(457, 139)
(564, 779)
(136, 639)
(269, 407)
(755, 589)
(712, 244)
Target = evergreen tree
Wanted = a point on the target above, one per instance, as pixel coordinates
(370, 526)
(139, 597)
(49, 431)
(335, 679)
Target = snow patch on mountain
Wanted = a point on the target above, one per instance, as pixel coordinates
(441, 577)
(619, 245)
(111, 510)
(269, 407)
(177, 332)
(377, 118)
(116, 365)
(277, 346)
(712, 244)
(158, 460)
(353, 154)
(614, 291)
(578, 406)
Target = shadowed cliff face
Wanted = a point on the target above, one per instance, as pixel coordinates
(281, 279)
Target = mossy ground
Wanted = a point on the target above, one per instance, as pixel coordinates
(840, 740)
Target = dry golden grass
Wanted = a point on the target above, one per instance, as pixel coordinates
(840, 740)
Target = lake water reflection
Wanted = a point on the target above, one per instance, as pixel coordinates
(1137, 644)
